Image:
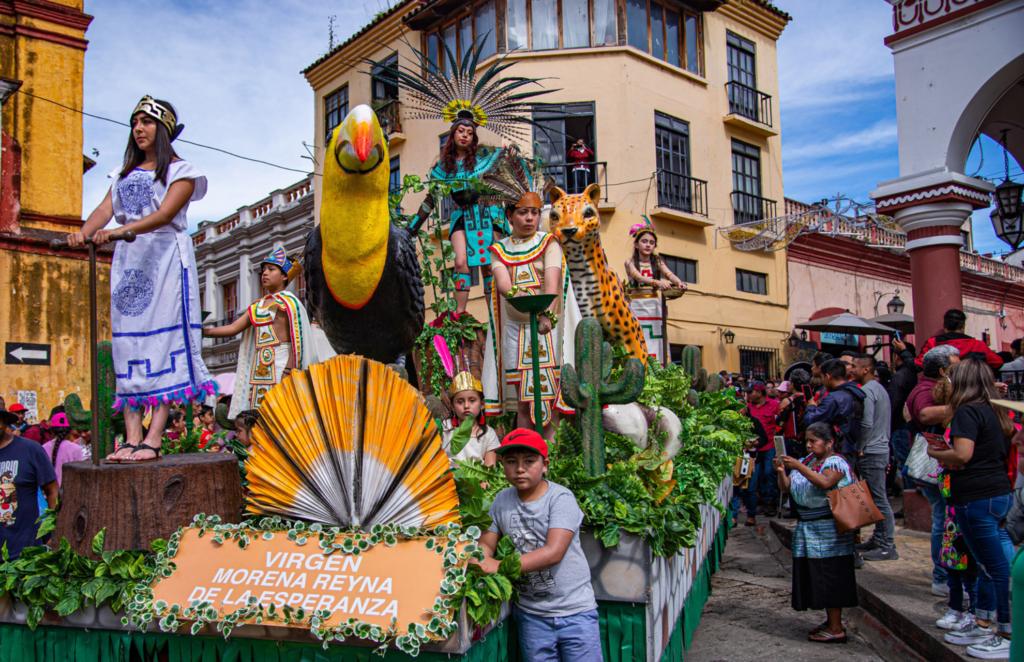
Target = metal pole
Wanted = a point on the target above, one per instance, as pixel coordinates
(94, 418)
(665, 358)
(538, 410)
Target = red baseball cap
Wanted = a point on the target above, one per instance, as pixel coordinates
(523, 439)
(16, 407)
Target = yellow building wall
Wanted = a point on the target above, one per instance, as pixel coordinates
(48, 303)
(45, 298)
(627, 87)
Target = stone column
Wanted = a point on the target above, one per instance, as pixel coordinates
(934, 243)
(930, 207)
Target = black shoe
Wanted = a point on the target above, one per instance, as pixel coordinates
(858, 561)
(898, 515)
(881, 555)
(866, 546)
(770, 511)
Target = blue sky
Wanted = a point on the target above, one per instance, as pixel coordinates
(232, 71)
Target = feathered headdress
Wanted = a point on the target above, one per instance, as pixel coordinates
(279, 258)
(462, 380)
(639, 229)
(459, 95)
(516, 180)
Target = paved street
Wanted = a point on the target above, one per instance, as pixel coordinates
(748, 616)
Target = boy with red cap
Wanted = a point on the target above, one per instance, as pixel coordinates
(557, 612)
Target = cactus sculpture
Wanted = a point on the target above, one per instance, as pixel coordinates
(714, 383)
(691, 360)
(587, 391)
(693, 398)
(81, 419)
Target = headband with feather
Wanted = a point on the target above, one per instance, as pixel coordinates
(464, 379)
(459, 95)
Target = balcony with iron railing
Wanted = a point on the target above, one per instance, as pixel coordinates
(212, 231)
(682, 192)
(748, 207)
(389, 115)
(224, 322)
(750, 108)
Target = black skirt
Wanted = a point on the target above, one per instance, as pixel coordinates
(824, 583)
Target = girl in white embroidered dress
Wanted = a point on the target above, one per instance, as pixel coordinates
(155, 319)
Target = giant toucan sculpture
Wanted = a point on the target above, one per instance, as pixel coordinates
(363, 281)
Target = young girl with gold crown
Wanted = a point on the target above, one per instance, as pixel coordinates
(648, 276)
(467, 397)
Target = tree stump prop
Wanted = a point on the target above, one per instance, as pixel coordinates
(474, 352)
(139, 503)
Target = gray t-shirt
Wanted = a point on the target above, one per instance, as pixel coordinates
(562, 590)
(874, 427)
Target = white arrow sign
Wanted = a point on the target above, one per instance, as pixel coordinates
(21, 354)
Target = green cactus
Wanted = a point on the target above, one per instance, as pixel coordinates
(691, 360)
(714, 383)
(81, 419)
(220, 414)
(692, 398)
(699, 381)
(587, 391)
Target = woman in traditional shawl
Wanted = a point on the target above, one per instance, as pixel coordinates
(154, 289)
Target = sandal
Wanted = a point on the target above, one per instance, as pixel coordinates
(124, 445)
(826, 637)
(820, 628)
(750, 522)
(142, 447)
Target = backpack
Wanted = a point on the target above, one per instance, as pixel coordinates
(852, 422)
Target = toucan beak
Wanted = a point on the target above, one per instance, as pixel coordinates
(359, 143)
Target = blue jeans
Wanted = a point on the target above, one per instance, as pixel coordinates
(575, 638)
(990, 545)
(872, 468)
(938, 504)
(959, 581)
(901, 447)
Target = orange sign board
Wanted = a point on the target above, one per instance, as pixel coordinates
(401, 581)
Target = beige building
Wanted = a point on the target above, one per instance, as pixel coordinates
(679, 102)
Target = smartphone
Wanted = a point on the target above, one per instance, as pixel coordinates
(780, 446)
(808, 394)
(899, 337)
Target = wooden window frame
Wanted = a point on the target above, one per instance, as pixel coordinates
(683, 52)
(467, 12)
(739, 277)
(234, 297)
(686, 260)
(328, 129)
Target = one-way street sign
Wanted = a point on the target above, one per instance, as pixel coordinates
(23, 353)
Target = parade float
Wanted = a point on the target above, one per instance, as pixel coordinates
(344, 530)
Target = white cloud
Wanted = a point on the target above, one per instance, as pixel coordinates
(881, 134)
(232, 71)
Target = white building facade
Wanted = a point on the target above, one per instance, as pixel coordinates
(228, 255)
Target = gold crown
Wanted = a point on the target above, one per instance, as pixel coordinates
(464, 381)
(158, 111)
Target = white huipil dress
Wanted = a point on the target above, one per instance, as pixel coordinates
(646, 307)
(154, 297)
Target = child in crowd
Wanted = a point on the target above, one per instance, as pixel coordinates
(60, 449)
(177, 427)
(244, 423)
(206, 419)
(467, 397)
(557, 612)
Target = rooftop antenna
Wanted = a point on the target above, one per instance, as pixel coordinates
(330, 31)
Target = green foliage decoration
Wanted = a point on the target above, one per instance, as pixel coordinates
(586, 388)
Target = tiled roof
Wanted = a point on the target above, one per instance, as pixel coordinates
(401, 6)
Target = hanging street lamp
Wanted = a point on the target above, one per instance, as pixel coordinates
(1008, 223)
(895, 305)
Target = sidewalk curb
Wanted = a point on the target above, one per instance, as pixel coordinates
(916, 638)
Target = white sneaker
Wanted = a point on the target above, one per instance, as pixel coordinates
(970, 634)
(940, 590)
(996, 648)
(953, 620)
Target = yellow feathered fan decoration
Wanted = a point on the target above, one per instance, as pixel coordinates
(349, 443)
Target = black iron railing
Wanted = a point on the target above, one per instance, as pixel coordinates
(224, 322)
(682, 192)
(747, 207)
(389, 116)
(759, 363)
(750, 103)
(576, 177)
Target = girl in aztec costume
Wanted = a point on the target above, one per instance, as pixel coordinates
(277, 336)
(531, 261)
(469, 103)
(467, 396)
(154, 289)
(648, 276)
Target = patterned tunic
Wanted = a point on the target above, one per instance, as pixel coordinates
(817, 538)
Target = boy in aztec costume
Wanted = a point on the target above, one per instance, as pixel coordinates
(277, 335)
(531, 261)
(648, 276)
(469, 102)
